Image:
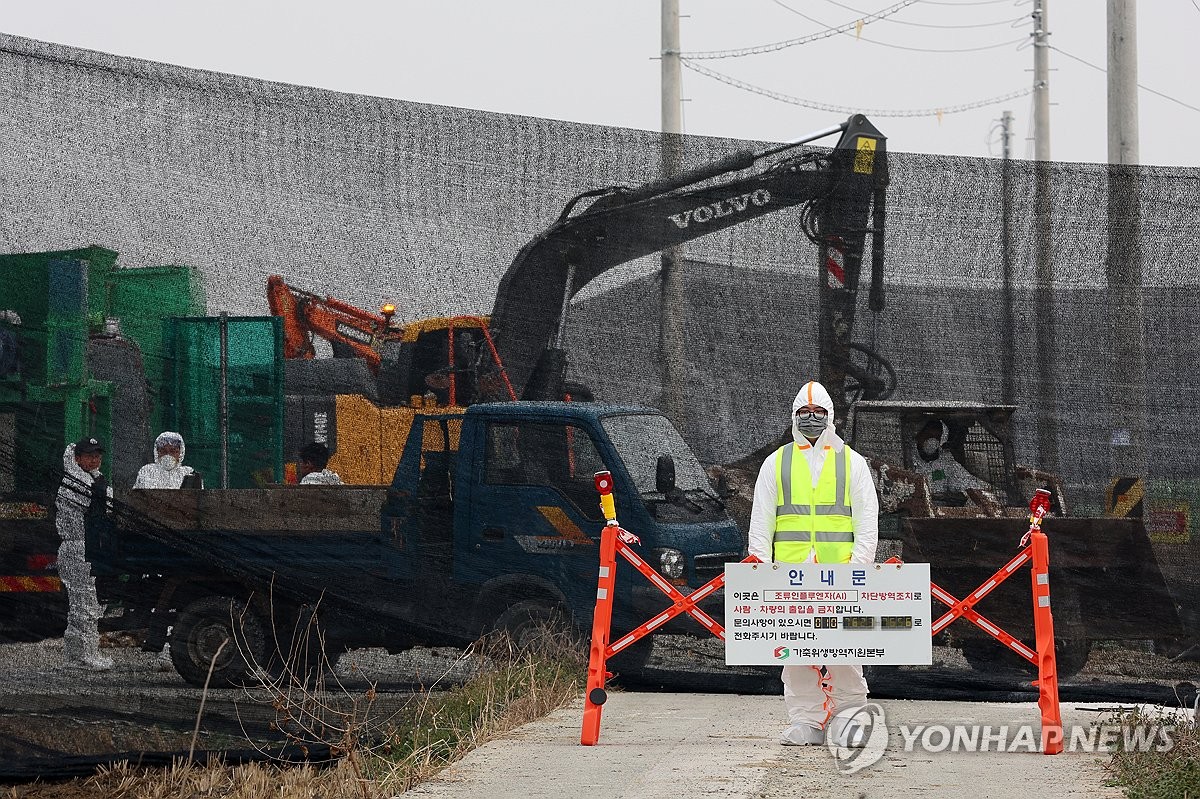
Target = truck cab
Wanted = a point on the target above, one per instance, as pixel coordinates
(500, 500)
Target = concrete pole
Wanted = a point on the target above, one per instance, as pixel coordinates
(1122, 82)
(673, 311)
(1046, 355)
(1124, 263)
(1041, 82)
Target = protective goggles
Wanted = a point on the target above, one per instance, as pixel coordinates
(811, 413)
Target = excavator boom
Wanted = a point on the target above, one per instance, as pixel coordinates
(842, 191)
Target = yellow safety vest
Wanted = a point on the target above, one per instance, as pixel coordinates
(808, 516)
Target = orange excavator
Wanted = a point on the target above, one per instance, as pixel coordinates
(354, 331)
(454, 358)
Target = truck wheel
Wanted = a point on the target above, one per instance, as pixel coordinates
(535, 625)
(1070, 655)
(200, 630)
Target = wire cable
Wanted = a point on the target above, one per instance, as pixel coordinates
(825, 34)
(787, 98)
(1008, 22)
(900, 46)
(1140, 86)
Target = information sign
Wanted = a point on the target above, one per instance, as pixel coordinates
(813, 614)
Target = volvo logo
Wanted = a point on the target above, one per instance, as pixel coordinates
(730, 205)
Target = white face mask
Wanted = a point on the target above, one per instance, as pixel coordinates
(930, 447)
(167, 462)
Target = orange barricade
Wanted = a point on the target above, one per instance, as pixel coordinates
(616, 541)
(1035, 550)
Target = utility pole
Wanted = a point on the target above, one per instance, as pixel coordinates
(1041, 82)
(1046, 355)
(1008, 363)
(673, 310)
(1123, 267)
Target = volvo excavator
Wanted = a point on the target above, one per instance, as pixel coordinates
(516, 352)
(841, 193)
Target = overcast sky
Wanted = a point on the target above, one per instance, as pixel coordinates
(597, 61)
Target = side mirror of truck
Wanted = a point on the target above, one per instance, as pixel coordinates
(664, 475)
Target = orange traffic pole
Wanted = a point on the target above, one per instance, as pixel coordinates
(1043, 627)
(596, 696)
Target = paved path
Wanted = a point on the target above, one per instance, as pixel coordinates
(680, 745)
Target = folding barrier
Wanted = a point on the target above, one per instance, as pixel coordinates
(1035, 550)
(616, 541)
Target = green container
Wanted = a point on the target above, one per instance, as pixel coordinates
(254, 373)
(50, 294)
(143, 300)
(30, 284)
(46, 420)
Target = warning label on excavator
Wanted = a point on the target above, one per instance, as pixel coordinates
(802, 614)
(864, 158)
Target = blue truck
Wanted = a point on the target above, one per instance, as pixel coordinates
(491, 522)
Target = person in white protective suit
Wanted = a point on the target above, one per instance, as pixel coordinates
(314, 458)
(167, 470)
(81, 641)
(813, 470)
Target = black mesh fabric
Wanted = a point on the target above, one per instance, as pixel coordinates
(1085, 323)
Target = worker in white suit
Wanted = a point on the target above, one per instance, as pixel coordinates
(167, 470)
(81, 640)
(818, 472)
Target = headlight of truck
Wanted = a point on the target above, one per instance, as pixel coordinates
(670, 563)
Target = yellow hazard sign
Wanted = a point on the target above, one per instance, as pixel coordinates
(864, 159)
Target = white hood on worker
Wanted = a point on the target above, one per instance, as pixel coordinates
(813, 393)
(164, 472)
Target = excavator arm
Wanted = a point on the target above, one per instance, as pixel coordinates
(343, 325)
(842, 193)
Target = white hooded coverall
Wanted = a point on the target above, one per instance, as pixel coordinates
(325, 477)
(81, 640)
(812, 694)
(164, 472)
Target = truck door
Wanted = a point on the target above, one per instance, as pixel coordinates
(535, 516)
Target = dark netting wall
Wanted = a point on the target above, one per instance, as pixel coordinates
(196, 187)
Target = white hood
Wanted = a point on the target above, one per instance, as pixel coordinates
(169, 436)
(813, 393)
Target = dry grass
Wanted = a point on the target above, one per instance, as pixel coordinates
(376, 758)
(1170, 774)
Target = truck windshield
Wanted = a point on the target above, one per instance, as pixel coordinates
(641, 438)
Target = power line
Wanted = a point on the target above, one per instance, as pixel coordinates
(1140, 86)
(1009, 22)
(787, 98)
(825, 34)
(900, 46)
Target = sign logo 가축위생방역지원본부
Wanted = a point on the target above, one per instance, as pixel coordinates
(782, 653)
